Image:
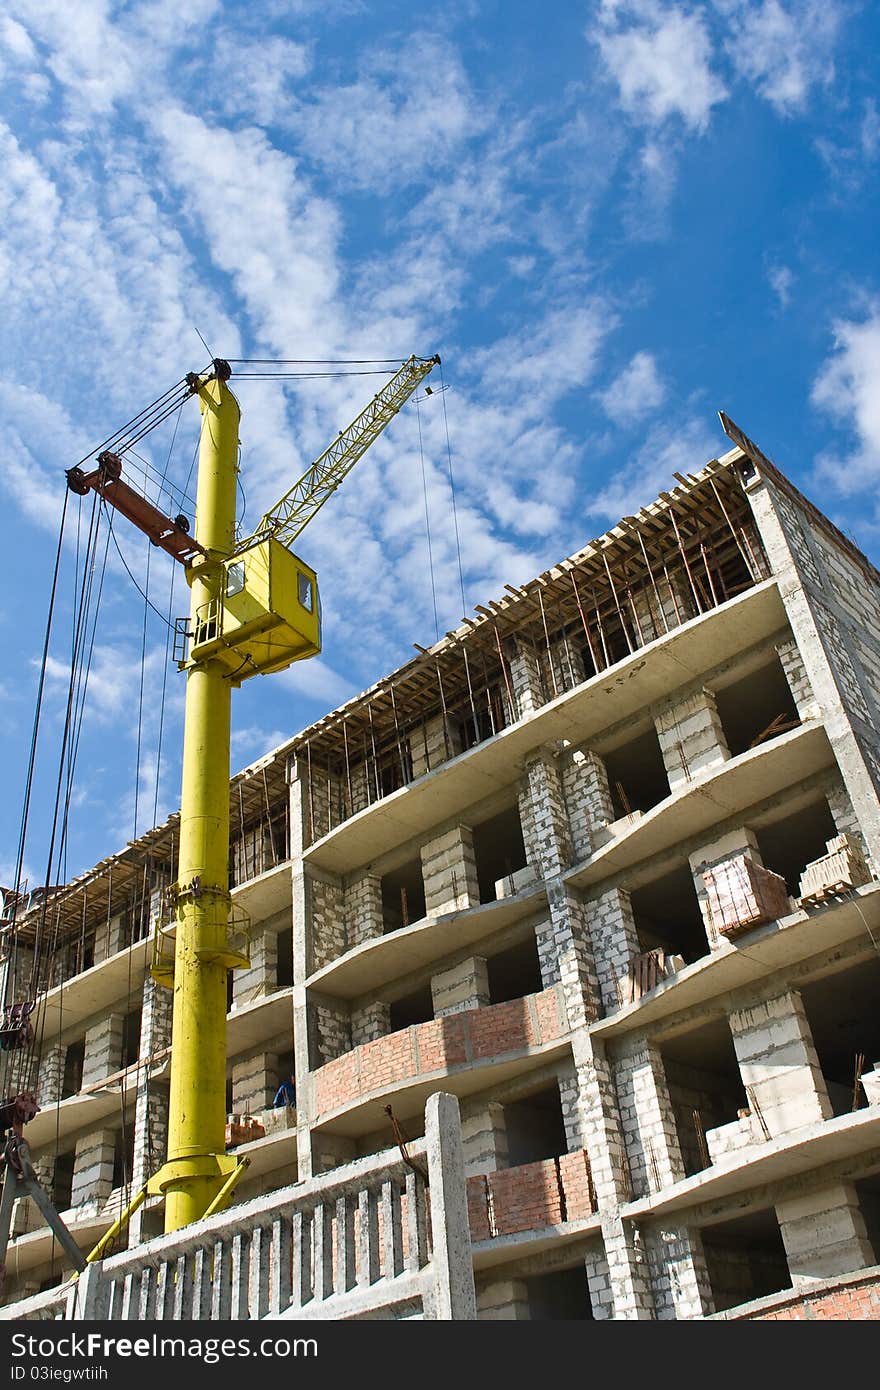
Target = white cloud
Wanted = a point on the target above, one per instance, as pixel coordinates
(404, 119)
(870, 131)
(781, 279)
(848, 388)
(784, 49)
(683, 448)
(661, 59)
(637, 391)
(255, 78)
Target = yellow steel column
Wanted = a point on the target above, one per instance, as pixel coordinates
(197, 1118)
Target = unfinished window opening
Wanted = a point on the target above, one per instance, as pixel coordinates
(757, 708)
(123, 1156)
(62, 1180)
(417, 1007)
(788, 846)
(515, 972)
(284, 958)
(705, 1087)
(667, 916)
(74, 1060)
(745, 1259)
(563, 1295)
(135, 922)
(229, 1095)
(500, 853)
(868, 1193)
(842, 1013)
(394, 769)
(581, 646)
(637, 774)
(535, 1127)
(473, 725)
(83, 956)
(131, 1038)
(403, 896)
(286, 1066)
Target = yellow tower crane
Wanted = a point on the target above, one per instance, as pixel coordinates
(254, 609)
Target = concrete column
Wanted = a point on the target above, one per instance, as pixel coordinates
(691, 738)
(647, 1117)
(484, 1139)
(615, 941)
(461, 987)
(363, 909)
(679, 1275)
(824, 1233)
(109, 937)
(778, 1064)
(255, 1079)
(599, 1284)
(799, 682)
(592, 1109)
(103, 1052)
(151, 1103)
(526, 680)
(845, 820)
(332, 1030)
(453, 1293)
(306, 1054)
(563, 940)
(370, 1022)
(544, 816)
(735, 842)
(51, 1077)
(431, 744)
(503, 1300)
(93, 1167)
(261, 977)
(450, 871)
(588, 798)
(326, 936)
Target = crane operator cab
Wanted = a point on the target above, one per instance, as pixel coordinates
(267, 615)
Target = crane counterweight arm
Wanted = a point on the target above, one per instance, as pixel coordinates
(295, 509)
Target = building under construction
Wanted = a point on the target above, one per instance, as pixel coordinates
(601, 864)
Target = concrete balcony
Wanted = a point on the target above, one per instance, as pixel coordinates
(721, 792)
(845, 1142)
(647, 675)
(372, 964)
(103, 1100)
(260, 1021)
(750, 958)
(276, 1150)
(114, 982)
(267, 894)
(462, 1053)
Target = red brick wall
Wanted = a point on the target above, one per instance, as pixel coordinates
(439, 1046)
(854, 1299)
(530, 1196)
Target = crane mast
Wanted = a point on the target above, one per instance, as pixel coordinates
(254, 609)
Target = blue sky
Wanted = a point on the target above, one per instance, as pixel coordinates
(610, 219)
